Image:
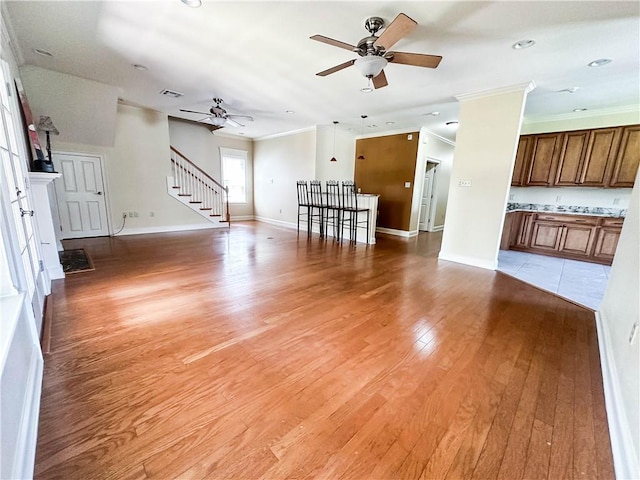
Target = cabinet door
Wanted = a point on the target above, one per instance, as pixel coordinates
(600, 156)
(524, 232)
(577, 239)
(522, 159)
(544, 158)
(626, 164)
(570, 163)
(546, 235)
(606, 243)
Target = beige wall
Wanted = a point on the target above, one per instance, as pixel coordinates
(486, 144)
(432, 148)
(344, 152)
(202, 147)
(278, 163)
(136, 175)
(83, 111)
(619, 311)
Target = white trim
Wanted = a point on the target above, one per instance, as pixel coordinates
(574, 115)
(439, 137)
(240, 218)
(517, 88)
(437, 228)
(474, 262)
(280, 223)
(388, 133)
(397, 233)
(28, 432)
(243, 155)
(169, 228)
(285, 134)
(624, 459)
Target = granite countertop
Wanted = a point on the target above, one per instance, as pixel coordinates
(567, 209)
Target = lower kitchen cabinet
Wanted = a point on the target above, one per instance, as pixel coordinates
(579, 237)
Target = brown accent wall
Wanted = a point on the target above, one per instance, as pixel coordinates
(388, 163)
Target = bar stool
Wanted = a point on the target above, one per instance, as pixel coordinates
(303, 203)
(351, 211)
(333, 208)
(317, 206)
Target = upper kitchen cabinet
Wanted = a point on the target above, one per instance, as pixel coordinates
(625, 167)
(543, 159)
(522, 156)
(603, 157)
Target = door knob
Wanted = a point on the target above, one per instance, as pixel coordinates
(98, 193)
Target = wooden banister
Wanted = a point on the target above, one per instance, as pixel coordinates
(177, 152)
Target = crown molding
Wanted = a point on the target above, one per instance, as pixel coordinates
(517, 88)
(9, 35)
(627, 109)
(439, 137)
(285, 134)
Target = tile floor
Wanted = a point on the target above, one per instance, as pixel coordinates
(581, 282)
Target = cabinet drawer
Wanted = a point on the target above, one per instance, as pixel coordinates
(578, 219)
(612, 222)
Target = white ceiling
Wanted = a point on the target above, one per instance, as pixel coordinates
(258, 57)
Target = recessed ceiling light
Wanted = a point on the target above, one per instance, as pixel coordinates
(140, 67)
(192, 3)
(600, 62)
(290, 112)
(366, 89)
(390, 123)
(435, 114)
(372, 126)
(569, 90)
(451, 123)
(44, 53)
(523, 44)
(579, 109)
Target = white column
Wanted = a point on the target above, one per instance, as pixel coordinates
(483, 160)
(40, 183)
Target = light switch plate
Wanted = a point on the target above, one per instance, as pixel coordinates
(464, 183)
(407, 184)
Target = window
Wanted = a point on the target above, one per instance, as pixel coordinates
(234, 174)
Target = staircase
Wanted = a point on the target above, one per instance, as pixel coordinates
(194, 188)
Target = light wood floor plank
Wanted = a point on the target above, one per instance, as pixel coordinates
(256, 353)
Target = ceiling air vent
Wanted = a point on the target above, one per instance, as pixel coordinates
(171, 93)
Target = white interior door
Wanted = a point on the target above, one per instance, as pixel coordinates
(80, 196)
(425, 202)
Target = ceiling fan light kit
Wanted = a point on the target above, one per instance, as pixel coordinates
(370, 65)
(374, 51)
(219, 117)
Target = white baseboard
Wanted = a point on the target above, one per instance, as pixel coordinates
(170, 228)
(280, 223)
(624, 458)
(437, 228)
(474, 262)
(397, 233)
(241, 218)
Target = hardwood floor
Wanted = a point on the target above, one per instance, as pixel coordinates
(255, 353)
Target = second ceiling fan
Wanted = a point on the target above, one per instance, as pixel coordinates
(374, 50)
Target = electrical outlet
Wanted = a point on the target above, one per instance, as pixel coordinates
(410, 137)
(280, 210)
(132, 214)
(634, 330)
(124, 214)
(135, 214)
(152, 214)
(558, 198)
(407, 184)
(616, 201)
(512, 196)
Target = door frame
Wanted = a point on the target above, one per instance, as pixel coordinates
(434, 202)
(105, 190)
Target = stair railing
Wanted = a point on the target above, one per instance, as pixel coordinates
(193, 182)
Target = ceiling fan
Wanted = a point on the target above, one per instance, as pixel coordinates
(219, 117)
(374, 50)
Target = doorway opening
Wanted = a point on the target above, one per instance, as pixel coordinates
(427, 202)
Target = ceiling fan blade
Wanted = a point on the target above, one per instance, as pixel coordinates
(416, 59)
(380, 81)
(245, 117)
(335, 69)
(401, 26)
(233, 123)
(331, 41)
(193, 111)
